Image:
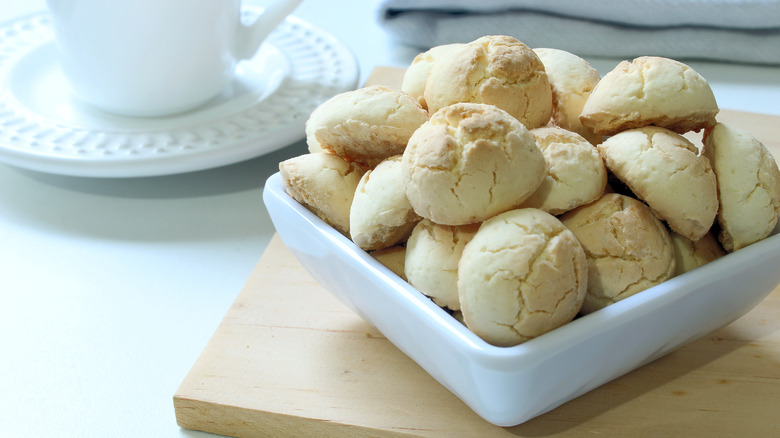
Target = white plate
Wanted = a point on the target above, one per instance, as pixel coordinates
(508, 386)
(43, 127)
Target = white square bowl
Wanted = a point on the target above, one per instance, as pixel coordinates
(508, 386)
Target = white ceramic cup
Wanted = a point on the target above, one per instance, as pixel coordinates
(153, 58)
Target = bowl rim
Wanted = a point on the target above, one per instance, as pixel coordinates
(547, 344)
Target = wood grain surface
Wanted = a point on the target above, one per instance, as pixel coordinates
(289, 360)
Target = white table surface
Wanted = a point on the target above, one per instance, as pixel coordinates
(111, 288)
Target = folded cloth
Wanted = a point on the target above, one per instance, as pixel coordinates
(746, 31)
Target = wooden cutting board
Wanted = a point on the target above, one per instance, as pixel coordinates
(289, 360)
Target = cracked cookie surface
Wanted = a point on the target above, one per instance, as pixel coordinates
(497, 70)
(365, 125)
(628, 249)
(470, 162)
(323, 183)
(665, 170)
(650, 90)
(748, 185)
(521, 275)
(576, 174)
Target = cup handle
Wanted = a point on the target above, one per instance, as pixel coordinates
(251, 36)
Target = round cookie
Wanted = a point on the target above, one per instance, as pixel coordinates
(432, 255)
(690, 255)
(572, 80)
(469, 162)
(748, 186)
(496, 70)
(650, 91)
(365, 125)
(665, 170)
(323, 183)
(627, 247)
(575, 176)
(521, 275)
(416, 75)
(380, 215)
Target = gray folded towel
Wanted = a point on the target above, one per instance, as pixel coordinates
(746, 31)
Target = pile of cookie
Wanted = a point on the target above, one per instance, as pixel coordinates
(517, 188)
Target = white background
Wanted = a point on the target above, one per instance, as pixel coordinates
(111, 288)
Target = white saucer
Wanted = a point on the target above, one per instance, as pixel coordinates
(44, 128)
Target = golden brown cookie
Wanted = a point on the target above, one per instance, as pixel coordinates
(650, 90)
(576, 174)
(323, 183)
(416, 75)
(521, 275)
(380, 215)
(497, 70)
(572, 80)
(432, 256)
(748, 185)
(469, 162)
(690, 255)
(627, 247)
(665, 170)
(365, 125)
